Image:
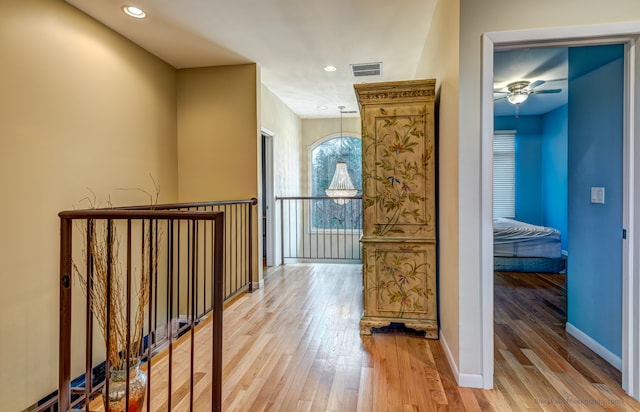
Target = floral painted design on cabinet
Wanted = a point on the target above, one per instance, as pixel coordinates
(401, 284)
(399, 207)
(398, 159)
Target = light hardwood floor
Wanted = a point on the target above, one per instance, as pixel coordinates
(537, 364)
(294, 345)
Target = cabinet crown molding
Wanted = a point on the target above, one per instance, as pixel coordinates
(395, 91)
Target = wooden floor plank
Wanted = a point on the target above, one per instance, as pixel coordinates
(294, 345)
(365, 391)
(532, 307)
(524, 388)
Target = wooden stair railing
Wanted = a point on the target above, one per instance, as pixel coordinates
(198, 244)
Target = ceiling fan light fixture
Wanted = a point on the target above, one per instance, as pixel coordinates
(518, 97)
(518, 92)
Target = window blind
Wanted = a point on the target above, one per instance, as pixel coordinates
(504, 174)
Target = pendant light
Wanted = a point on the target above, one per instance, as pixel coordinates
(341, 185)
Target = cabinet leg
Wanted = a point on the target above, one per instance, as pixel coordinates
(429, 328)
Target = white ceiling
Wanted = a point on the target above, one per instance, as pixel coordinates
(290, 40)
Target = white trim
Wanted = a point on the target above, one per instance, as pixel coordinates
(627, 216)
(630, 289)
(471, 381)
(628, 33)
(486, 213)
(267, 132)
(633, 334)
(463, 379)
(590, 343)
(323, 139)
(563, 36)
(270, 199)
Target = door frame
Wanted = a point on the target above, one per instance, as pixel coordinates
(627, 33)
(269, 196)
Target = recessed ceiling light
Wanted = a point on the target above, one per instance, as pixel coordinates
(330, 68)
(322, 107)
(134, 11)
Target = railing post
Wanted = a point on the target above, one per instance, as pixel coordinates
(64, 350)
(194, 307)
(281, 230)
(254, 202)
(89, 314)
(218, 280)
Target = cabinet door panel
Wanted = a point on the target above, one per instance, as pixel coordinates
(400, 281)
(399, 172)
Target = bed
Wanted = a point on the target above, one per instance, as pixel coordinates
(523, 247)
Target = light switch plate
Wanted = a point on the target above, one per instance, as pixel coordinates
(597, 195)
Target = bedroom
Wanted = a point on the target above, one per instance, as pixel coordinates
(560, 155)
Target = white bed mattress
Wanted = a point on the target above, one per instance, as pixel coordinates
(512, 238)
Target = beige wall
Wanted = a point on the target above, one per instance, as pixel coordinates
(286, 127)
(218, 133)
(279, 120)
(218, 137)
(477, 17)
(440, 60)
(81, 108)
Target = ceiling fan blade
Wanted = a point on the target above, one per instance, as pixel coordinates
(536, 84)
(495, 99)
(561, 79)
(550, 91)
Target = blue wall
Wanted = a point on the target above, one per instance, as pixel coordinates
(554, 171)
(541, 168)
(594, 281)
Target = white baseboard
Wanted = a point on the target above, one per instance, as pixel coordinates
(470, 381)
(463, 379)
(447, 352)
(590, 343)
(257, 285)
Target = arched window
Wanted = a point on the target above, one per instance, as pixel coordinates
(324, 156)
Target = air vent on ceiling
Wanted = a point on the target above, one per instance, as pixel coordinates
(366, 69)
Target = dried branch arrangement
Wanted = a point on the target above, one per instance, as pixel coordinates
(106, 284)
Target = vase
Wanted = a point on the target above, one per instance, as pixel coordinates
(116, 400)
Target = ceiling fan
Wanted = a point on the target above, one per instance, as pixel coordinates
(518, 92)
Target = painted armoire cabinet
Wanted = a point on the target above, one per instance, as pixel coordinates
(399, 205)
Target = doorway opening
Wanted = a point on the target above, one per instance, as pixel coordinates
(267, 204)
(565, 37)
